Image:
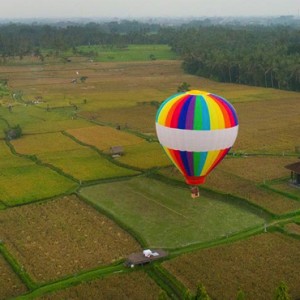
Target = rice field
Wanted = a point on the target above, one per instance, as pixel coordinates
(256, 265)
(228, 182)
(104, 137)
(168, 217)
(140, 117)
(66, 236)
(81, 162)
(259, 169)
(10, 283)
(138, 153)
(21, 180)
(34, 120)
(118, 286)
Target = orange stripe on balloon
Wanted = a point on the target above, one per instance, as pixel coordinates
(178, 162)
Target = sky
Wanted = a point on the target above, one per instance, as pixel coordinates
(11, 9)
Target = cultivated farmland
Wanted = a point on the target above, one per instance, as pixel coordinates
(169, 217)
(65, 235)
(81, 162)
(93, 210)
(256, 265)
(10, 284)
(128, 286)
(21, 180)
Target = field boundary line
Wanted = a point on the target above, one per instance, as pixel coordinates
(37, 161)
(73, 280)
(17, 268)
(139, 239)
(102, 154)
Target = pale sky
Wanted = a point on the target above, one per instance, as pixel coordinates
(10, 9)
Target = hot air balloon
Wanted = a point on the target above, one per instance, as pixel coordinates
(196, 129)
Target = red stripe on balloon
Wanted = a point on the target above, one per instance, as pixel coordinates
(177, 160)
(177, 111)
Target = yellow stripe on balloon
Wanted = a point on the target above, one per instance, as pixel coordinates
(215, 114)
(166, 109)
(210, 159)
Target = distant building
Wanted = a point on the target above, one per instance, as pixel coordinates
(116, 151)
(145, 257)
(295, 172)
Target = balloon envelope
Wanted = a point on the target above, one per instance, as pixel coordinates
(196, 130)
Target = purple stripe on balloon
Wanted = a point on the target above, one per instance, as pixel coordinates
(190, 159)
(189, 122)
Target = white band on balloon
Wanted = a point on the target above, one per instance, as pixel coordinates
(196, 140)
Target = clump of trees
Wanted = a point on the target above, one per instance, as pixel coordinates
(13, 133)
(259, 56)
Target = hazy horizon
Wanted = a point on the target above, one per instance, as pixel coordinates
(20, 9)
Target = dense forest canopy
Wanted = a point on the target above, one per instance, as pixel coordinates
(255, 55)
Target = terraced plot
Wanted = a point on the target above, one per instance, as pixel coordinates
(21, 180)
(82, 163)
(34, 119)
(138, 153)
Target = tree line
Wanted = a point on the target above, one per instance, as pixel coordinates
(267, 56)
(259, 56)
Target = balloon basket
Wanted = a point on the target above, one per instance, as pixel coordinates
(195, 192)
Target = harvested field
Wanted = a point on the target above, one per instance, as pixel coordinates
(258, 168)
(140, 117)
(256, 265)
(286, 187)
(10, 283)
(225, 182)
(166, 216)
(135, 285)
(293, 228)
(66, 237)
(269, 130)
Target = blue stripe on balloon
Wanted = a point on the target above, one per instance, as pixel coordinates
(205, 114)
(183, 113)
(185, 162)
(202, 160)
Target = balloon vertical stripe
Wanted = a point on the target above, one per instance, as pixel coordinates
(183, 116)
(200, 158)
(190, 113)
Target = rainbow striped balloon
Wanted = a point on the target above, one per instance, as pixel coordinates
(196, 129)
